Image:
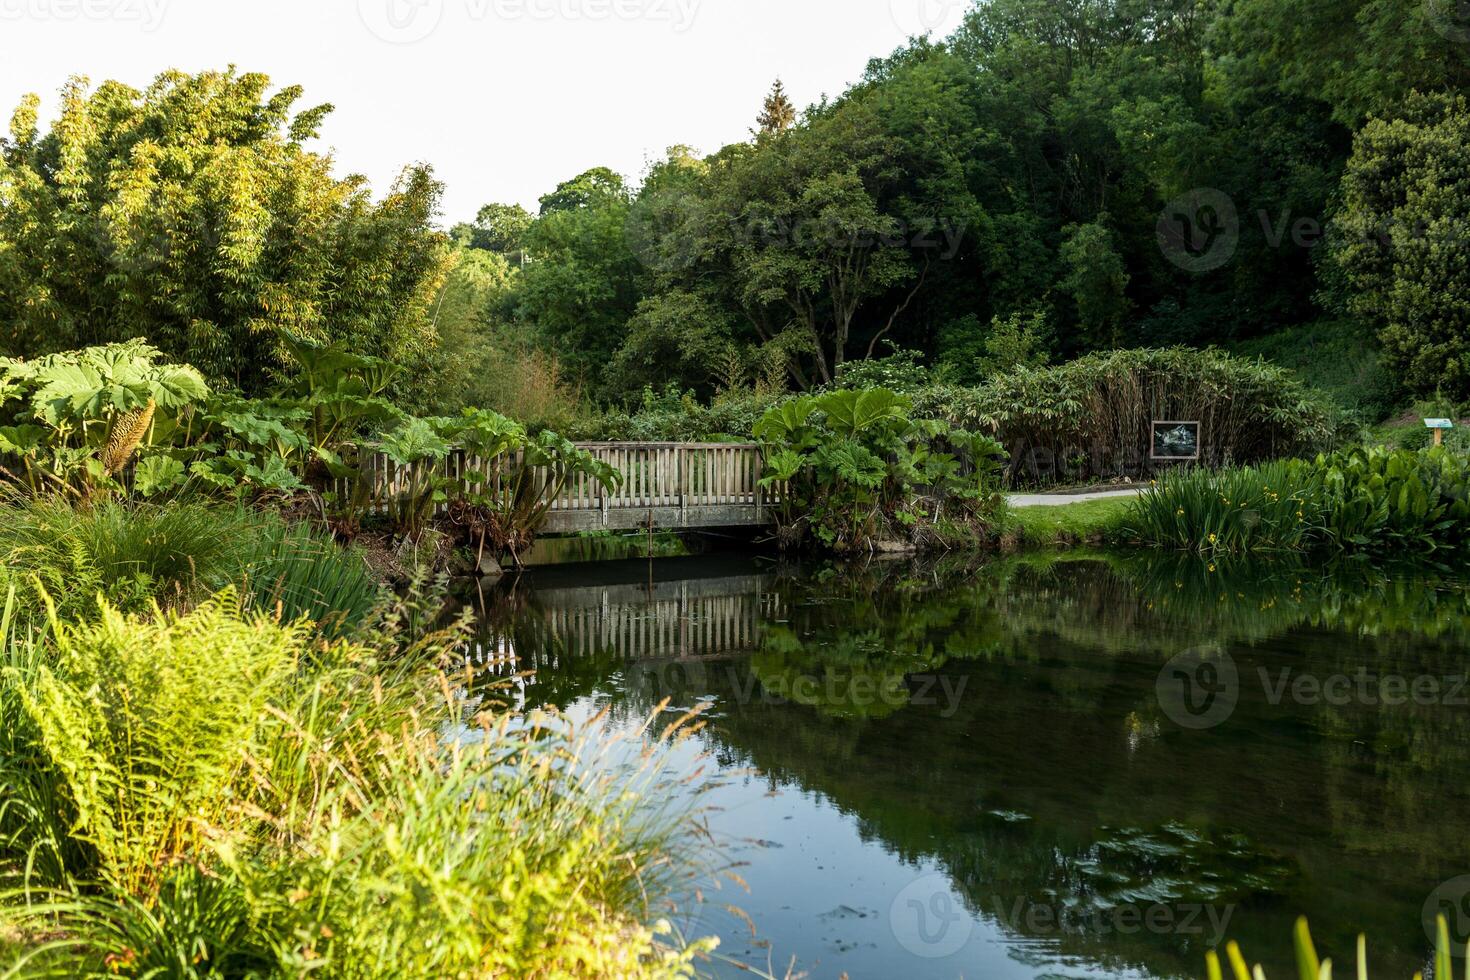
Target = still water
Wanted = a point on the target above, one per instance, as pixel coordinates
(1080, 766)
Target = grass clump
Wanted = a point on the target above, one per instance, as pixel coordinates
(135, 554)
(300, 574)
(130, 554)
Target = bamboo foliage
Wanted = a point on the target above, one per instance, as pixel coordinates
(1092, 417)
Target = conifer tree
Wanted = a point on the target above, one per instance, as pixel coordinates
(778, 114)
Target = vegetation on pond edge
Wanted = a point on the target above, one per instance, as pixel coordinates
(287, 775)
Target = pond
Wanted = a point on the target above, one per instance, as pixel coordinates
(1071, 766)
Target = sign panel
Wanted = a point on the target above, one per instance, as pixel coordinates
(1176, 440)
(1439, 424)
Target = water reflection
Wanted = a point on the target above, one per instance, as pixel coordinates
(979, 771)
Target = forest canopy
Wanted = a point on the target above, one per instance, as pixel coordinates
(1057, 177)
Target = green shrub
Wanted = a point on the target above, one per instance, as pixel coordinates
(1340, 358)
(676, 416)
(1091, 418)
(853, 470)
(145, 727)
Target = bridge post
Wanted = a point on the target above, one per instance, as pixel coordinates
(679, 485)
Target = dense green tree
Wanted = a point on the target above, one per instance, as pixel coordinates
(596, 186)
(1356, 56)
(191, 213)
(580, 283)
(1401, 239)
(499, 228)
(1097, 282)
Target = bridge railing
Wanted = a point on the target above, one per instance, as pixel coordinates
(665, 484)
(657, 474)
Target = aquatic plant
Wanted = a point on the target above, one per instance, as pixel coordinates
(1362, 500)
(1310, 967)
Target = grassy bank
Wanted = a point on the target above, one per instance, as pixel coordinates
(1084, 522)
(228, 753)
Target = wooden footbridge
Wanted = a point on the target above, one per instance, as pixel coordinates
(665, 486)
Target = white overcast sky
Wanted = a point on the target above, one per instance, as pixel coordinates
(505, 98)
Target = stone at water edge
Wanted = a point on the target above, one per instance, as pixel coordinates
(490, 568)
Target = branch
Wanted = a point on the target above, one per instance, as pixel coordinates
(873, 345)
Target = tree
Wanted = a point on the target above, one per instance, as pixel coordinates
(799, 229)
(498, 228)
(1015, 342)
(1097, 280)
(778, 114)
(676, 337)
(597, 186)
(580, 286)
(1357, 56)
(1400, 239)
(192, 214)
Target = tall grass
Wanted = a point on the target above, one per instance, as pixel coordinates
(1272, 508)
(301, 574)
(213, 793)
(130, 554)
(1363, 500)
(136, 554)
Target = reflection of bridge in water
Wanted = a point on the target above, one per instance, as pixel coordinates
(678, 621)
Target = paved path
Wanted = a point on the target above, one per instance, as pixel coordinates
(1058, 499)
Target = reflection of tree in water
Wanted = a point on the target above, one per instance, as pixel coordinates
(1056, 781)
